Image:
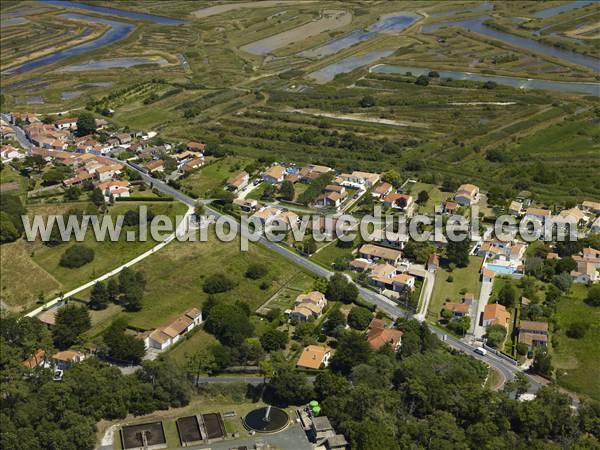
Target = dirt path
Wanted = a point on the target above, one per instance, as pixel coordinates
(358, 117)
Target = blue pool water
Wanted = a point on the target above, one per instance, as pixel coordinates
(500, 269)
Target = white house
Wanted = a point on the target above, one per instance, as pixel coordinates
(308, 305)
(467, 194)
(8, 153)
(402, 282)
(274, 174)
(165, 336)
(68, 123)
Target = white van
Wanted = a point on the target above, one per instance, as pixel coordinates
(482, 351)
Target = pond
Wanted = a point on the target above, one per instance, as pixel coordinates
(69, 95)
(117, 31)
(477, 25)
(549, 12)
(162, 20)
(113, 63)
(349, 64)
(521, 83)
(389, 23)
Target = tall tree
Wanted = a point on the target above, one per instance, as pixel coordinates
(71, 322)
(86, 124)
(99, 297)
(457, 252)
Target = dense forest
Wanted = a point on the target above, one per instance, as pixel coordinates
(426, 397)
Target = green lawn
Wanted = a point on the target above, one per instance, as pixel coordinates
(189, 345)
(435, 196)
(576, 360)
(330, 253)
(213, 175)
(463, 278)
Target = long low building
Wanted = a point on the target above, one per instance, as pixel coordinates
(165, 336)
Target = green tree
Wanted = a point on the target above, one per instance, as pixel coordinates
(392, 177)
(77, 256)
(229, 323)
(562, 281)
(256, 271)
(309, 246)
(542, 363)
(71, 322)
(359, 318)
(86, 124)
(457, 252)
(199, 208)
(99, 296)
(507, 295)
(272, 340)
(218, 282)
(289, 386)
(8, 231)
(287, 190)
(335, 319)
(122, 346)
(97, 197)
(367, 102)
(593, 296)
(495, 335)
(422, 197)
(352, 350)
(461, 325)
(577, 330)
(112, 289)
(422, 80)
(72, 193)
(519, 385)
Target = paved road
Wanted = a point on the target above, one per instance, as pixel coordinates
(505, 367)
(181, 229)
(20, 134)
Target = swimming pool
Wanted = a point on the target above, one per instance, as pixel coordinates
(500, 268)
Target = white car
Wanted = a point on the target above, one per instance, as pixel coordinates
(480, 350)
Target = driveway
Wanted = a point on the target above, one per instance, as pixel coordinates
(484, 296)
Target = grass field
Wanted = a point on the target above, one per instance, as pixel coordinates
(463, 278)
(576, 360)
(213, 175)
(41, 262)
(435, 196)
(175, 276)
(329, 253)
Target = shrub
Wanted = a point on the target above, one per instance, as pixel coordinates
(256, 271)
(577, 330)
(76, 256)
(218, 282)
